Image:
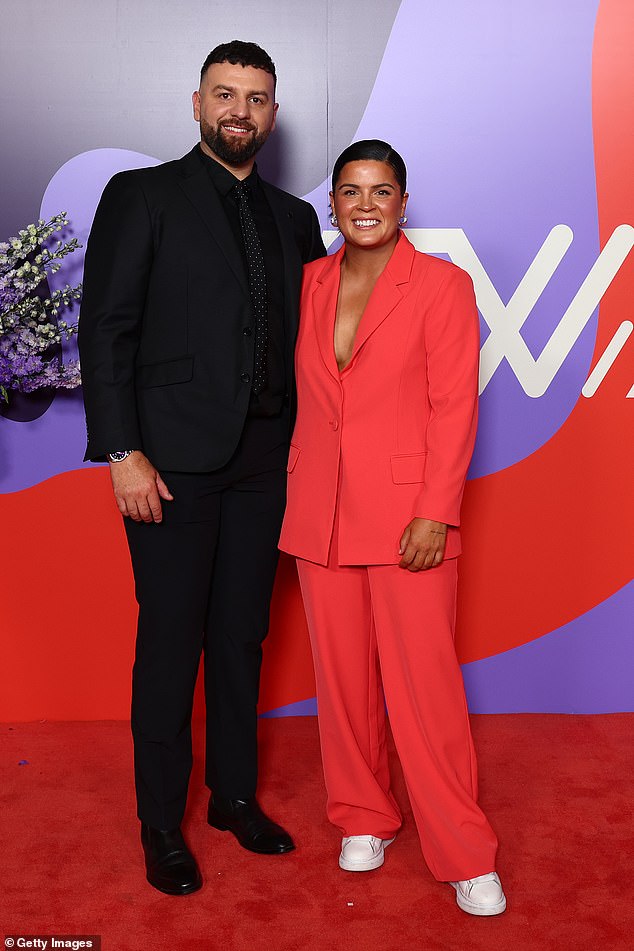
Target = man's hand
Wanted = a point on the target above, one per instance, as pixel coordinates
(422, 544)
(138, 488)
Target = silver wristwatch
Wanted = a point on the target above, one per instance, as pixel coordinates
(119, 456)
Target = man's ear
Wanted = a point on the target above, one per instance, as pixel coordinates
(196, 104)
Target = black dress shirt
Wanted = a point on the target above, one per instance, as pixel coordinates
(270, 401)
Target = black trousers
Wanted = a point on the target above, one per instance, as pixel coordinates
(204, 578)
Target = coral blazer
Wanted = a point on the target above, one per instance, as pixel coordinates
(390, 437)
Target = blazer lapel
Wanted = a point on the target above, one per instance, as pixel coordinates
(283, 217)
(324, 304)
(199, 190)
(389, 291)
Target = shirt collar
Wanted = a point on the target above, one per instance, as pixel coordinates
(223, 179)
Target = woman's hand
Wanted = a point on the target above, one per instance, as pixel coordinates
(422, 544)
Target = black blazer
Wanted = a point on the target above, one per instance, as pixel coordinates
(166, 333)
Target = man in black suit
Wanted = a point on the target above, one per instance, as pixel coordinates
(187, 331)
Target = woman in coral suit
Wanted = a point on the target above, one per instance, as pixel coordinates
(387, 366)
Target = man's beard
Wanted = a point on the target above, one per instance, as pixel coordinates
(233, 150)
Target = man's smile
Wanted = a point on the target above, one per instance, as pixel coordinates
(236, 129)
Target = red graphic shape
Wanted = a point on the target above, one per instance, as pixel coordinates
(552, 536)
(68, 609)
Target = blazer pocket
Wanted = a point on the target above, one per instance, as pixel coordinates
(169, 371)
(408, 468)
(293, 456)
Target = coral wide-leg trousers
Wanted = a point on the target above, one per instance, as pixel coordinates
(383, 634)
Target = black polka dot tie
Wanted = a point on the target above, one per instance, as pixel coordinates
(257, 285)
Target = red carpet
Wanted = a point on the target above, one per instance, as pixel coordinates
(558, 790)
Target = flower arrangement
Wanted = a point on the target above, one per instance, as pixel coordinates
(30, 326)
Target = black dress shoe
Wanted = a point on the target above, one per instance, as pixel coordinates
(251, 827)
(170, 865)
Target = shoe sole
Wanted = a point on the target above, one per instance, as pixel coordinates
(370, 864)
(188, 890)
(482, 911)
(221, 827)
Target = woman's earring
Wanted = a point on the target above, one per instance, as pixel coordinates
(402, 220)
(333, 221)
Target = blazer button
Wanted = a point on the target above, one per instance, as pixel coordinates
(247, 331)
(334, 424)
(245, 377)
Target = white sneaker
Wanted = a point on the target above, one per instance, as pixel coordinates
(481, 896)
(361, 853)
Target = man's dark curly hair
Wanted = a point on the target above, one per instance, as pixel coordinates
(239, 53)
